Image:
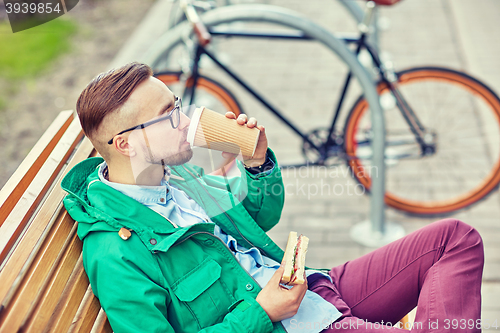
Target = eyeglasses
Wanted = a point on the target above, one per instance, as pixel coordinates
(173, 115)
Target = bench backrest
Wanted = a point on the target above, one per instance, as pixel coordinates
(43, 287)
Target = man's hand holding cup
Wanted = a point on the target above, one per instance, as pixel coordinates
(233, 136)
(259, 156)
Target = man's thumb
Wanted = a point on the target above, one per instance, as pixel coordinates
(276, 278)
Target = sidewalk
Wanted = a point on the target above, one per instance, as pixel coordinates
(454, 33)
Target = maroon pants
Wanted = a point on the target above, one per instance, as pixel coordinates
(437, 268)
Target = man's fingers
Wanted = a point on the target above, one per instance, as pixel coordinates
(242, 119)
(252, 122)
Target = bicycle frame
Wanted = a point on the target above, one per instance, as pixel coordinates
(330, 147)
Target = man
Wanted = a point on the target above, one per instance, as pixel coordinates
(169, 248)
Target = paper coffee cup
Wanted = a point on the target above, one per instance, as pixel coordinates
(212, 130)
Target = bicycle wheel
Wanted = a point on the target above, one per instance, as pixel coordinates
(214, 96)
(464, 116)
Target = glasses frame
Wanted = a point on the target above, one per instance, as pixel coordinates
(177, 109)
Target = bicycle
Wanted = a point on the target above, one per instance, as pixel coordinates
(422, 138)
(177, 15)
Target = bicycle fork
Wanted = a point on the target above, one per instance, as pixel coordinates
(424, 138)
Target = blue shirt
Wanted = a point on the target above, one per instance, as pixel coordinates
(314, 313)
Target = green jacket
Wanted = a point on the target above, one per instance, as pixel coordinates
(166, 279)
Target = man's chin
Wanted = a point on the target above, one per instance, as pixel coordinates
(180, 158)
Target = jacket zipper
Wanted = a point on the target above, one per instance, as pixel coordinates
(227, 215)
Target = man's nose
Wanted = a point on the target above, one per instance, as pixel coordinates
(184, 122)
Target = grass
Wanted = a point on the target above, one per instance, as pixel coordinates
(26, 53)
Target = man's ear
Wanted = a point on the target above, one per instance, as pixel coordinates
(123, 146)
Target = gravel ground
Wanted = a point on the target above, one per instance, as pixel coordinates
(104, 26)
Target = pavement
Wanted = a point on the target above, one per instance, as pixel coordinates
(460, 34)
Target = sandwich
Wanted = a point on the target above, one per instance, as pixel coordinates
(294, 259)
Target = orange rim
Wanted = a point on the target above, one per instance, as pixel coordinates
(413, 206)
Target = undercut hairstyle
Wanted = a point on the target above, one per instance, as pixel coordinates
(107, 92)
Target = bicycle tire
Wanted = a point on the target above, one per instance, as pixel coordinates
(408, 188)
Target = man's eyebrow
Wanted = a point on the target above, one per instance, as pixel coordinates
(167, 107)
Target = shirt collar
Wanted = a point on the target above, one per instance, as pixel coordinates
(142, 193)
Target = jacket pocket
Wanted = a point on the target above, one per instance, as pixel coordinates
(203, 292)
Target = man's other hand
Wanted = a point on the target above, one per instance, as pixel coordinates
(278, 301)
(259, 157)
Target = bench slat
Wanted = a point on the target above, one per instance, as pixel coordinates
(28, 290)
(19, 216)
(101, 324)
(70, 301)
(86, 314)
(22, 177)
(48, 296)
(20, 256)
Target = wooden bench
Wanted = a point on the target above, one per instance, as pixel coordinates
(43, 287)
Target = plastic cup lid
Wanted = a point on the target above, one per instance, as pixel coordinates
(195, 120)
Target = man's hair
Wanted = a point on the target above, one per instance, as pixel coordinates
(107, 92)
